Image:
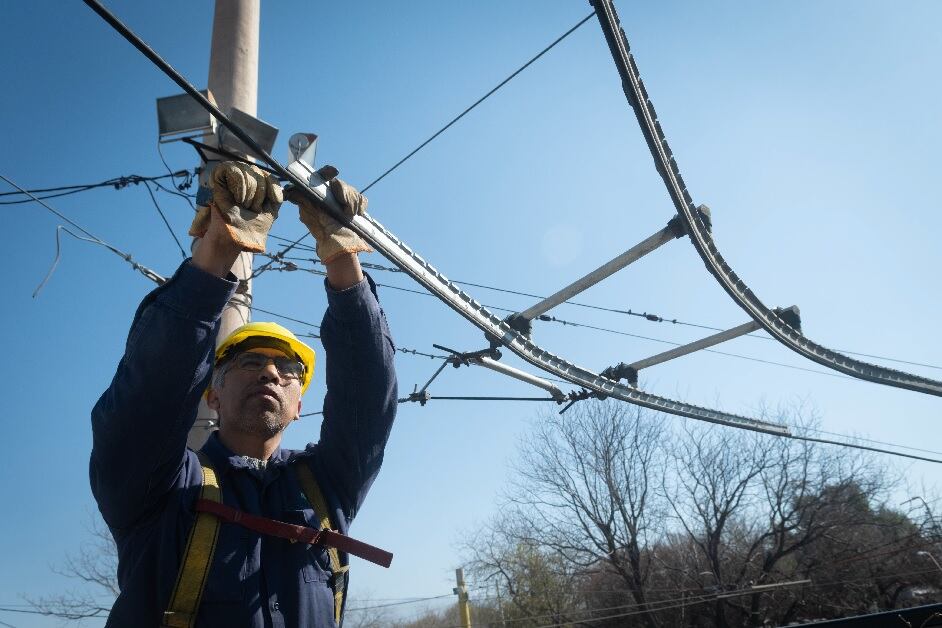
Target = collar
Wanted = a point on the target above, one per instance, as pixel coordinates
(224, 459)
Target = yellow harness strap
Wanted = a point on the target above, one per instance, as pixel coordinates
(314, 495)
(197, 557)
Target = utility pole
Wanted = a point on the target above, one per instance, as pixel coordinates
(233, 81)
(464, 607)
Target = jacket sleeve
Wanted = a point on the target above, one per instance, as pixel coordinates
(140, 423)
(360, 402)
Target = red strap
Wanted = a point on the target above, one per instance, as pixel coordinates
(293, 533)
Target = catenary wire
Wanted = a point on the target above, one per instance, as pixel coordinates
(553, 319)
(159, 279)
(794, 437)
(628, 312)
(121, 182)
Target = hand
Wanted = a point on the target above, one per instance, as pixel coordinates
(333, 239)
(247, 200)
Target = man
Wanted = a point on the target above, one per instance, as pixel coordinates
(145, 479)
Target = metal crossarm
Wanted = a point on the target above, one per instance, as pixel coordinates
(673, 230)
(630, 371)
(702, 239)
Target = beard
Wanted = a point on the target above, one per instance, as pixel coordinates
(259, 416)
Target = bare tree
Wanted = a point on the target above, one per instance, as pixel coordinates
(95, 564)
(637, 525)
(584, 490)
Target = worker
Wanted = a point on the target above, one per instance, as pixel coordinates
(153, 491)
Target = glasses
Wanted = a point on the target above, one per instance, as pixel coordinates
(288, 368)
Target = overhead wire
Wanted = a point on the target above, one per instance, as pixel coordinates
(513, 75)
(147, 272)
(173, 235)
(150, 274)
(116, 183)
(288, 267)
(293, 267)
(628, 312)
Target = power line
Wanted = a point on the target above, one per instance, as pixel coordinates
(399, 603)
(628, 312)
(117, 183)
(480, 100)
(147, 272)
(164, 218)
(289, 266)
(159, 279)
(458, 117)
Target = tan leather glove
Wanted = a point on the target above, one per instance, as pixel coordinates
(248, 199)
(332, 237)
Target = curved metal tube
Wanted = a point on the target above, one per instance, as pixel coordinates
(702, 239)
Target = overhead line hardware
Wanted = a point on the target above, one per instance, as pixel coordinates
(674, 229)
(629, 372)
(488, 358)
(702, 238)
(645, 315)
(314, 188)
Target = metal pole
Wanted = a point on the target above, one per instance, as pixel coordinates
(517, 374)
(703, 343)
(633, 254)
(233, 81)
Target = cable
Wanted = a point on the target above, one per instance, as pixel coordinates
(458, 117)
(294, 267)
(183, 186)
(164, 218)
(287, 318)
(870, 440)
(645, 315)
(480, 100)
(409, 601)
(117, 183)
(147, 272)
(553, 319)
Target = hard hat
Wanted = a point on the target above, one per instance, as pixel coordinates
(278, 338)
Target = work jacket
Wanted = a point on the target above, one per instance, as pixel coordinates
(146, 480)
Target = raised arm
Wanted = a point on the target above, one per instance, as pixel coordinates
(141, 421)
(360, 402)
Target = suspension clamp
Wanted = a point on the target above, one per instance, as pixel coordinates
(621, 371)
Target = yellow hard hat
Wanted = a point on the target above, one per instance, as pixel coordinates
(272, 335)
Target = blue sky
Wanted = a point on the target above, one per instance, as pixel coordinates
(811, 130)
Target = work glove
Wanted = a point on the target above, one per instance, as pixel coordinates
(332, 237)
(248, 200)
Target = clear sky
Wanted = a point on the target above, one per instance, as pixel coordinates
(811, 129)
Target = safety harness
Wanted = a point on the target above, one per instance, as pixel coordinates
(211, 512)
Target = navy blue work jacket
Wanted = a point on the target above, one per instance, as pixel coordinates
(146, 480)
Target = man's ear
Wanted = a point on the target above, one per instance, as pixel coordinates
(212, 399)
(298, 415)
